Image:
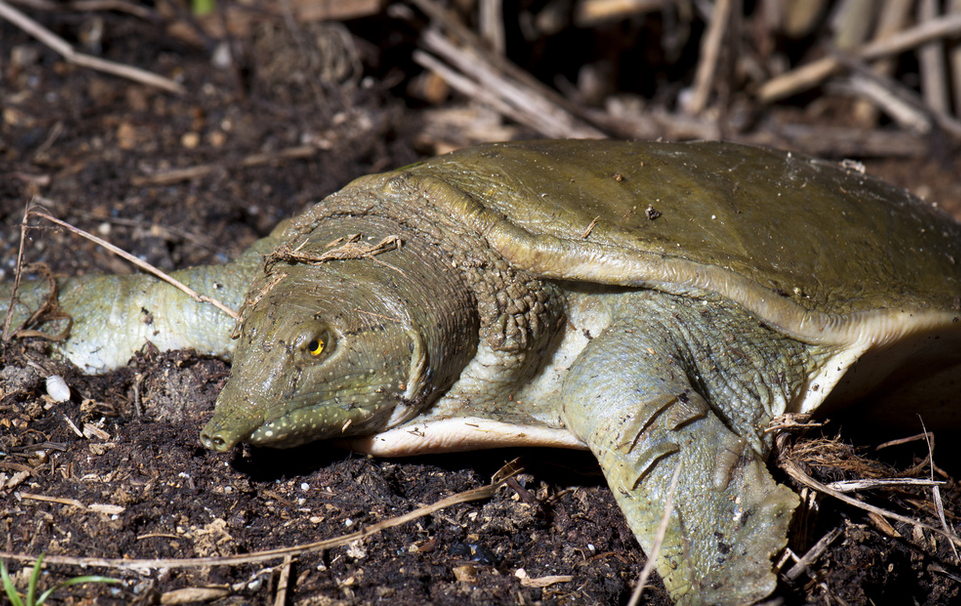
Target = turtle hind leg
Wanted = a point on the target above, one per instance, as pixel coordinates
(630, 400)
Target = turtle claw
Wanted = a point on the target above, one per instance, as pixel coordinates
(729, 520)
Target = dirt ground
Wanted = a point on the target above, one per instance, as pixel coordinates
(117, 471)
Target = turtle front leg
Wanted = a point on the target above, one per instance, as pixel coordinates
(628, 397)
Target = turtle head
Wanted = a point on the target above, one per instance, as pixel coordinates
(342, 348)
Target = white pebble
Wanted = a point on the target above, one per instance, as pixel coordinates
(57, 388)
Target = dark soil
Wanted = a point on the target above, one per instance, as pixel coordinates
(92, 145)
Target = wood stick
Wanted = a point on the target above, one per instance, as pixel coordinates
(811, 74)
(954, 60)
(491, 17)
(60, 45)
(893, 18)
(710, 52)
(900, 93)
(852, 23)
(126, 563)
(878, 96)
(471, 89)
(537, 109)
(468, 39)
(812, 554)
(931, 58)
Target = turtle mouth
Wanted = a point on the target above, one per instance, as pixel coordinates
(307, 424)
(317, 422)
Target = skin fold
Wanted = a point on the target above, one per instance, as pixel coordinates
(525, 294)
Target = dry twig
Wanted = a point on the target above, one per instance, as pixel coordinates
(61, 46)
(121, 6)
(931, 60)
(202, 170)
(856, 485)
(799, 475)
(812, 554)
(282, 583)
(658, 539)
(34, 209)
(812, 74)
(710, 54)
(936, 495)
(534, 102)
(907, 440)
(340, 249)
(525, 103)
(484, 492)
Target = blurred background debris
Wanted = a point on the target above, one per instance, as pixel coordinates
(828, 77)
(182, 130)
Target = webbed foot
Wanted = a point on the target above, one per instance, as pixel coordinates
(641, 418)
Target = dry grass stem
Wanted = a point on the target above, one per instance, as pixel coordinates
(710, 54)
(658, 540)
(800, 476)
(202, 170)
(536, 110)
(166, 232)
(907, 440)
(855, 485)
(46, 499)
(812, 554)
(469, 40)
(904, 113)
(112, 5)
(491, 24)
(121, 6)
(34, 209)
(589, 13)
(812, 74)
(894, 15)
(936, 496)
(61, 46)
(469, 88)
(954, 61)
(283, 582)
(932, 63)
(484, 492)
(16, 278)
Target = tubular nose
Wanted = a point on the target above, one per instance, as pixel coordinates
(218, 435)
(215, 441)
(233, 421)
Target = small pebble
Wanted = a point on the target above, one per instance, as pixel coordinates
(57, 388)
(190, 140)
(24, 55)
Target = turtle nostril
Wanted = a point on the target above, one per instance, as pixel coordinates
(213, 442)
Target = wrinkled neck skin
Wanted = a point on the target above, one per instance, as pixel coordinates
(344, 347)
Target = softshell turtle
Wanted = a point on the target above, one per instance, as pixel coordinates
(656, 303)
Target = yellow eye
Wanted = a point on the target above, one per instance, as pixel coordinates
(316, 346)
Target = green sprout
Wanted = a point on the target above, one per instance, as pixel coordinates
(203, 7)
(32, 599)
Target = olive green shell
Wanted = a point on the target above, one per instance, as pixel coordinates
(819, 250)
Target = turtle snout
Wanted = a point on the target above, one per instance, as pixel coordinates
(226, 429)
(215, 439)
